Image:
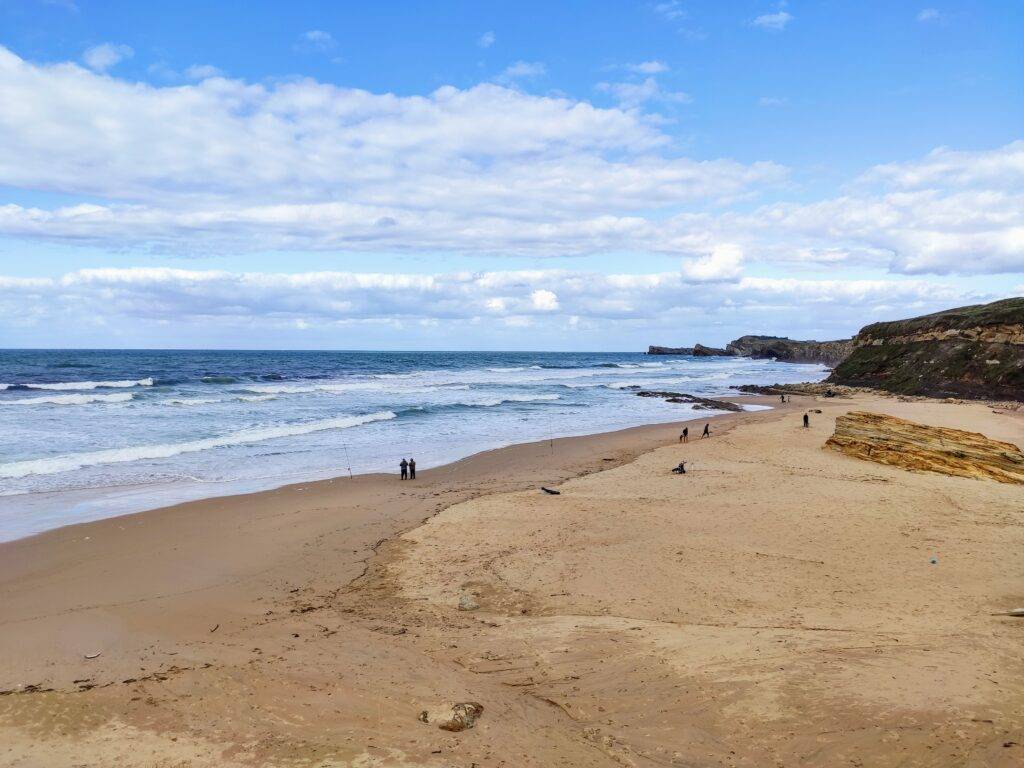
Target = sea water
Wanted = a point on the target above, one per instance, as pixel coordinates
(91, 434)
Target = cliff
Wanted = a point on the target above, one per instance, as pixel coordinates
(907, 444)
(670, 350)
(973, 352)
(778, 347)
(829, 353)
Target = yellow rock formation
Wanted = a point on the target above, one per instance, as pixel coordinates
(907, 444)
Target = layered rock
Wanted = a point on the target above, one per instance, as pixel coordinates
(975, 352)
(907, 444)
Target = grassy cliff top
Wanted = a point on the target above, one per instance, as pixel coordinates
(1007, 311)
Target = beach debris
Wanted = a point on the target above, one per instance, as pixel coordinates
(679, 470)
(1015, 612)
(934, 561)
(458, 717)
(93, 655)
(552, 491)
(467, 602)
(215, 628)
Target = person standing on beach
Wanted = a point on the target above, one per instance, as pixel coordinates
(412, 469)
(807, 421)
(782, 398)
(405, 468)
(706, 432)
(685, 436)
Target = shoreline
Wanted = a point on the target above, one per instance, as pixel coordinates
(172, 495)
(308, 625)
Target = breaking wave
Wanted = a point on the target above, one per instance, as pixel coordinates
(62, 385)
(142, 452)
(70, 399)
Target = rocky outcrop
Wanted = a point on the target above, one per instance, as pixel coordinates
(698, 403)
(973, 352)
(699, 350)
(907, 444)
(764, 347)
(829, 353)
(670, 350)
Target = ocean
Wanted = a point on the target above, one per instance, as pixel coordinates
(88, 434)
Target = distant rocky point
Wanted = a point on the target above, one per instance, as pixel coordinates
(974, 352)
(769, 347)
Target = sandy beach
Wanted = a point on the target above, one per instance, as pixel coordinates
(780, 604)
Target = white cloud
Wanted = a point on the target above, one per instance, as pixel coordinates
(223, 165)
(544, 300)
(316, 40)
(106, 55)
(648, 67)
(522, 69)
(724, 263)
(202, 71)
(631, 95)
(929, 15)
(672, 10)
(1001, 168)
(220, 301)
(776, 22)
(486, 40)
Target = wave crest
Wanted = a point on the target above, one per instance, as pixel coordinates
(143, 452)
(62, 385)
(71, 399)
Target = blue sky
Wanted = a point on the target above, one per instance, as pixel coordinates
(564, 176)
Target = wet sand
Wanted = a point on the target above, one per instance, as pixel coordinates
(775, 606)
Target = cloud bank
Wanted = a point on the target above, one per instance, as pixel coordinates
(224, 165)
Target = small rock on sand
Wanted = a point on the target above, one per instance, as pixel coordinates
(467, 602)
(463, 715)
(458, 717)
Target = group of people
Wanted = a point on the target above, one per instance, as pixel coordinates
(684, 436)
(408, 469)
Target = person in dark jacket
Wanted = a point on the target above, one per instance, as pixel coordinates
(404, 465)
(412, 469)
(807, 421)
(706, 432)
(685, 436)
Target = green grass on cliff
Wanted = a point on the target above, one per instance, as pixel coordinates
(1005, 312)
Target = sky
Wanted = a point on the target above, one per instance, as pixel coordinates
(522, 176)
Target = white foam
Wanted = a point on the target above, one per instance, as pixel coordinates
(194, 401)
(512, 399)
(332, 388)
(257, 398)
(142, 452)
(61, 385)
(70, 399)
